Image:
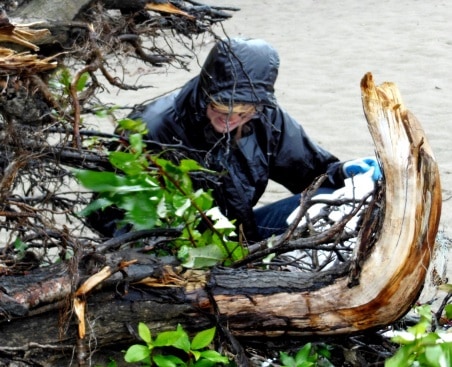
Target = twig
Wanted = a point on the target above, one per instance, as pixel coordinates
(438, 314)
(285, 244)
(75, 101)
(136, 235)
(31, 345)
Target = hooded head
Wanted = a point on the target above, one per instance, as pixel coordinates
(240, 71)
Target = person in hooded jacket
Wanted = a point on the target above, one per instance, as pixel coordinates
(229, 116)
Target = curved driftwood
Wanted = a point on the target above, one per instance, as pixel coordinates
(392, 275)
(385, 279)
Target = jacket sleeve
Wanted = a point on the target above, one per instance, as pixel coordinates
(297, 160)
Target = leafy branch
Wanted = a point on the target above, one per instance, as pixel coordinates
(154, 192)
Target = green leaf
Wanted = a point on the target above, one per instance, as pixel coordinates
(433, 355)
(168, 361)
(429, 338)
(65, 77)
(81, 82)
(447, 353)
(448, 310)
(177, 339)
(303, 354)
(195, 353)
(324, 350)
(189, 165)
(235, 250)
(144, 333)
(136, 353)
(20, 246)
(105, 181)
(136, 143)
(203, 339)
(402, 358)
(426, 314)
(102, 113)
(214, 356)
(98, 204)
(128, 163)
(202, 199)
(136, 126)
(181, 204)
(141, 210)
(287, 360)
(204, 257)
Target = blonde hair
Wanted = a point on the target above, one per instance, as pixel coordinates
(245, 108)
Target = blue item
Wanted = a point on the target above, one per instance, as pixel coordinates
(362, 165)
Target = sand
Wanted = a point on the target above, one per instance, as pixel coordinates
(326, 47)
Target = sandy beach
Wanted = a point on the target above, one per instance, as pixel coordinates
(326, 48)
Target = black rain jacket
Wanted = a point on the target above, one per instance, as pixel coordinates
(270, 146)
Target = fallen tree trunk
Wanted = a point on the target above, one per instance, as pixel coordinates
(375, 289)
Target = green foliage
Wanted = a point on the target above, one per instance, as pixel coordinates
(61, 82)
(161, 350)
(448, 311)
(156, 193)
(60, 86)
(421, 347)
(20, 247)
(309, 355)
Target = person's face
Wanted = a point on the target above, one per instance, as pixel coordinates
(224, 122)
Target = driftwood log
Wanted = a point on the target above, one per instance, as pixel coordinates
(378, 287)
(392, 274)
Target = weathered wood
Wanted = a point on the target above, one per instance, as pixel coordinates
(253, 303)
(393, 274)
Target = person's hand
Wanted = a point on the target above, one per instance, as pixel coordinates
(362, 165)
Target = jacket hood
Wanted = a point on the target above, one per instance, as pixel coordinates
(240, 70)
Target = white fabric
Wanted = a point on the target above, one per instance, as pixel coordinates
(355, 188)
